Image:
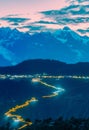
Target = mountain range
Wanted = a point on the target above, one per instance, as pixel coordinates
(63, 44)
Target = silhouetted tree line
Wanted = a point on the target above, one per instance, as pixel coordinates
(58, 124)
(51, 67)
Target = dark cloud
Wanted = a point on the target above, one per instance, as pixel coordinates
(63, 11)
(13, 15)
(46, 22)
(14, 24)
(79, 1)
(72, 14)
(14, 19)
(74, 21)
(72, 10)
(83, 10)
(34, 27)
(82, 31)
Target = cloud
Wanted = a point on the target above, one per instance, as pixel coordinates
(82, 31)
(34, 27)
(13, 15)
(45, 22)
(78, 1)
(14, 24)
(14, 20)
(73, 14)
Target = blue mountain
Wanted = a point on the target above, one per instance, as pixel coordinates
(64, 45)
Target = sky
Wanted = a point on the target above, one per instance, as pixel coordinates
(35, 15)
(27, 6)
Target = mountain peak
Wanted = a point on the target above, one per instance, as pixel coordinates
(66, 28)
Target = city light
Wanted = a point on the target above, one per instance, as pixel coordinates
(36, 79)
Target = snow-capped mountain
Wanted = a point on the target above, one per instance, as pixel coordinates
(67, 34)
(64, 45)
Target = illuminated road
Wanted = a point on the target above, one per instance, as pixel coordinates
(35, 79)
(18, 117)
